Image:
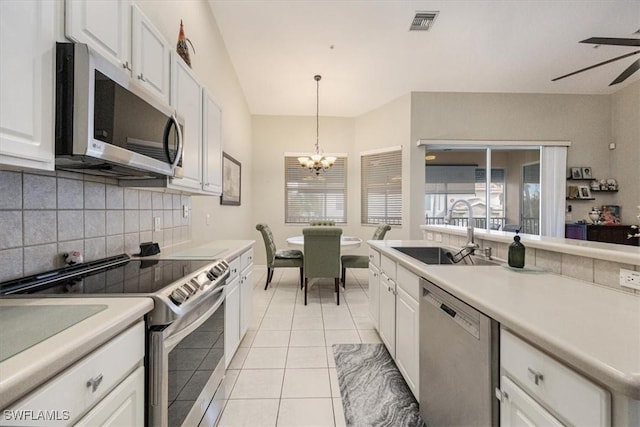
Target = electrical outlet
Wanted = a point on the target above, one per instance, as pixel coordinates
(156, 223)
(438, 237)
(429, 235)
(630, 278)
(207, 219)
(185, 211)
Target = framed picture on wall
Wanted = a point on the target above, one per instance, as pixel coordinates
(231, 185)
(586, 173)
(585, 192)
(576, 173)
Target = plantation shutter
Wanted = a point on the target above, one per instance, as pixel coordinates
(310, 197)
(381, 194)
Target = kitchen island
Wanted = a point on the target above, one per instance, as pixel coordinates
(592, 329)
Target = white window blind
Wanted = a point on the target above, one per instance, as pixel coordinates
(310, 197)
(381, 195)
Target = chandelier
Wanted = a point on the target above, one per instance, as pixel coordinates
(317, 162)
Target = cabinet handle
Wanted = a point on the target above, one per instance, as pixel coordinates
(141, 77)
(534, 376)
(126, 65)
(94, 383)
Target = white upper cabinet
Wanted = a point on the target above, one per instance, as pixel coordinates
(151, 56)
(186, 98)
(105, 25)
(27, 49)
(211, 146)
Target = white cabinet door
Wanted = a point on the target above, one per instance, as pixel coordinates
(517, 408)
(408, 339)
(186, 97)
(124, 406)
(246, 299)
(374, 295)
(211, 146)
(27, 49)
(151, 56)
(231, 319)
(105, 25)
(388, 313)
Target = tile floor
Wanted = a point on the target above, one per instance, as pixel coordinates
(284, 373)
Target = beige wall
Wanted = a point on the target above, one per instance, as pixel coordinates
(585, 120)
(212, 65)
(625, 159)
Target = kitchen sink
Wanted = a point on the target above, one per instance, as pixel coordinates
(441, 255)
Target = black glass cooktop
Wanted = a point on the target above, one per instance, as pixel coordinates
(102, 277)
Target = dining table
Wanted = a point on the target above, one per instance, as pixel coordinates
(346, 242)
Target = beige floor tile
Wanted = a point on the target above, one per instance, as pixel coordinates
(248, 339)
(226, 386)
(369, 337)
(307, 357)
(335, 385)
(363, 322)
(331, 360)
(341, 337)
(338, 322)
(338, 412)
(250, 413)
(307, 339)
(276, 323)
(307, 323)
(306, 383)
(305, 413)
(265, 358)
(271, 339)
(238, 358)
(258, 384)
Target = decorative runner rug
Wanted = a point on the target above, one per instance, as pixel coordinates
(374, 394)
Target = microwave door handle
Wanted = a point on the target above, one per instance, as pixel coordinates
(173, 121)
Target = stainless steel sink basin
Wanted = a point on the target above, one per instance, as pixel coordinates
(441, 255)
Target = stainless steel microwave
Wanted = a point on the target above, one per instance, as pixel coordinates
(108, 126)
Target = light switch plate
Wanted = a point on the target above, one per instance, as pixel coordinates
(630, 278)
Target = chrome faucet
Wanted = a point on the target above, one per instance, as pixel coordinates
(470, 243)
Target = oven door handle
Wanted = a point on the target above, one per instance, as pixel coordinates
(174, 339)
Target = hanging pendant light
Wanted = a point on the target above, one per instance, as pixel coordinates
(317, 162)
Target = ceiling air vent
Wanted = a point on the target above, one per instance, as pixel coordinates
(423, 21)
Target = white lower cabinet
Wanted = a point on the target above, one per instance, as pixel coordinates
(537, 387)
(374, 295)
(107, 386)
(121, 407)
(238, 302)
(387, 327)
(408, 339)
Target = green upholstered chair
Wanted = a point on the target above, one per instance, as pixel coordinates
(321, 255)
(361, 261)
(322, 222)
(278, 259)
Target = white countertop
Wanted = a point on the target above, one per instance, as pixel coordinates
(31, 367)
(205, 250)
(595, 330)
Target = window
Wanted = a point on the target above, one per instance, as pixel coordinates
(310, 197)
(381, 196)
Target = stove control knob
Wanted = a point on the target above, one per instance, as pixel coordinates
(190, 288)
(195, 283)
(179, 296)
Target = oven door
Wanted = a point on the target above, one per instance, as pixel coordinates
(186, 368)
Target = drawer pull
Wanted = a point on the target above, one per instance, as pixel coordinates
(534, 376)
(94, 383)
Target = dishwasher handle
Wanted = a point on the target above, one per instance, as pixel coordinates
(450, 311)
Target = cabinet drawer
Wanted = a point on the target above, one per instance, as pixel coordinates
(246, 259)
(560, 389)
(234, 268)
(72, 391)
(374, 257)
(388, 267)
(409, 282)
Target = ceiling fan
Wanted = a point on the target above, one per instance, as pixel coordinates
(635, 66)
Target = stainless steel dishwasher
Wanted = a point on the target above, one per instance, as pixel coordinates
(459, 366)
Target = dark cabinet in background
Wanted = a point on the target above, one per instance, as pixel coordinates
(601, 233)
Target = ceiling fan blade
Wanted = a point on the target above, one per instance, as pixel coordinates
(613, 41)
(597, 65)
(626, 73)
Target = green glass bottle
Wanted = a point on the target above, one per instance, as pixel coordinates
(516, 253)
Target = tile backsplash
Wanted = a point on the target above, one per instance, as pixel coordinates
(45, 215)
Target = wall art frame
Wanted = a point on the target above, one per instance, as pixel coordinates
(231, 181)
